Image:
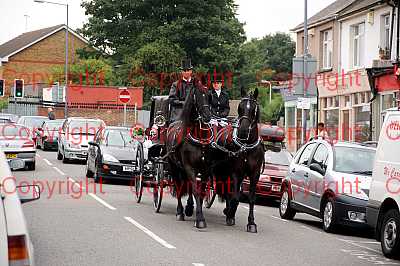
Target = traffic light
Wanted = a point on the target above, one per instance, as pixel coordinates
(2, 87)
(19, 88)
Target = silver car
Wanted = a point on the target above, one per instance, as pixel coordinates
(16, 247)
(16, 142)
(75, 135)
(330, 182)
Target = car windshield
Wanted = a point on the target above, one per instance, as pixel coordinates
(120, 138)
(34, 122)
(53, 125)
(12, 130)
(279, 158)
(354, 160)
(85, 127)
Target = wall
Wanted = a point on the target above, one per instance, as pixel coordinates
(34, 64)
(372, 38)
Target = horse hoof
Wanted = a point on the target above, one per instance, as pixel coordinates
(200, 224)
(252, 228)
(230, 221)
(180, 217)
(189, 211)
(225, 211)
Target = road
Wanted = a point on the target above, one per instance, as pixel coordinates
(107, 227)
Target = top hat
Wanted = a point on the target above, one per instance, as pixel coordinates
(217, 77)
(186, 64)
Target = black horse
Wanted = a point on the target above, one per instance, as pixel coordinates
(188, 142)
(241, 154)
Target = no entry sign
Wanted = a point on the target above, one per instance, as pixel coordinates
(124, 96)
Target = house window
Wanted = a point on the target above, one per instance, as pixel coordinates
(327, 49)
(386, 32)
(357, 39)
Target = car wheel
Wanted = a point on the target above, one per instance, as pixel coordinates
(390, 238)
(64, 159)
(285, 210)
(89, 174)
(329, 216)
(59, 155)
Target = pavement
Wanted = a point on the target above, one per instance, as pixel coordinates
(79, 223)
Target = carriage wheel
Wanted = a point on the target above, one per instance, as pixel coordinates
(139, 174)
(211, 193)
(158, 188)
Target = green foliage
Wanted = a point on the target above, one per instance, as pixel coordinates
(3, 103)
(270, 111)
(99, 71)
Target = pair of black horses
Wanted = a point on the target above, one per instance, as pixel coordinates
(238, 155)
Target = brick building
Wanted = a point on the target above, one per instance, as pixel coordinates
(32, 55)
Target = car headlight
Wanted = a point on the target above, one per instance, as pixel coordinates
(109, 158)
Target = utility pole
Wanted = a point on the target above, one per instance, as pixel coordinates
(26, 22)
(305, 56)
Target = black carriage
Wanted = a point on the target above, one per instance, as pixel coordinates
(153, 168)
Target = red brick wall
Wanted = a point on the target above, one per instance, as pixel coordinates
(34, 64)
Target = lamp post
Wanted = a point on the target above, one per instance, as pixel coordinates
(66, 52)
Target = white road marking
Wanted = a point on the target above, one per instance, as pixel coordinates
(247, 208)
(59, 171)
(309, 228)
(102, 201)
(75, 183)
(278, 218)
(48, 163)
(149, 233)
(38, 155)
(357, 245)
(198, 264)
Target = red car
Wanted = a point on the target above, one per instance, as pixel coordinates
(275, 169)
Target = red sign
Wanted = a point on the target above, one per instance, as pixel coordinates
(124, 96)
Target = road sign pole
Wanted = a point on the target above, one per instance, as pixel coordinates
(304, 115)
(125, 115)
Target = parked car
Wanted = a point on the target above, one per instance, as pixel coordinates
(384, 201)
(112, 154)
(9, 117)
(16, 143)
(75, 135)
(47, 134)
(16, 247)
(330, 182)
(33, 123)
(277, 161)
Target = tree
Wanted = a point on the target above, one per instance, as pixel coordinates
(206, 31)
(86, 72)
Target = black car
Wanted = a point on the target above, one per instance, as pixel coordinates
(47, 134)
(113, 155)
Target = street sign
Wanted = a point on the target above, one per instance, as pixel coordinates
(305, 86)
(304, 103)
(124, 96)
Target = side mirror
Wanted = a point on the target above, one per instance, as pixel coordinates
(317, 168)
(28, 193)
(92, 143)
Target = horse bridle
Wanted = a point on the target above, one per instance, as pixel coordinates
(245, 117)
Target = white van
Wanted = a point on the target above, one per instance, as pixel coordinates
(384, 197)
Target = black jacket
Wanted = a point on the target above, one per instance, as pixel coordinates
(219, 105)
(177, 95)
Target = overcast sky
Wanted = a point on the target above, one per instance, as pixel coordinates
(261, 16)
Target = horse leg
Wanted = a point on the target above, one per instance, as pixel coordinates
(200, 222)
(251, 225)
(233, 196)
(179, 209)
(189, 204)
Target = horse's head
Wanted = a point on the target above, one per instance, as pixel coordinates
(196, 106)
(249, 114)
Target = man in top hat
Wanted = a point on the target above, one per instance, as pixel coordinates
(219, 99)
(180, 89)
